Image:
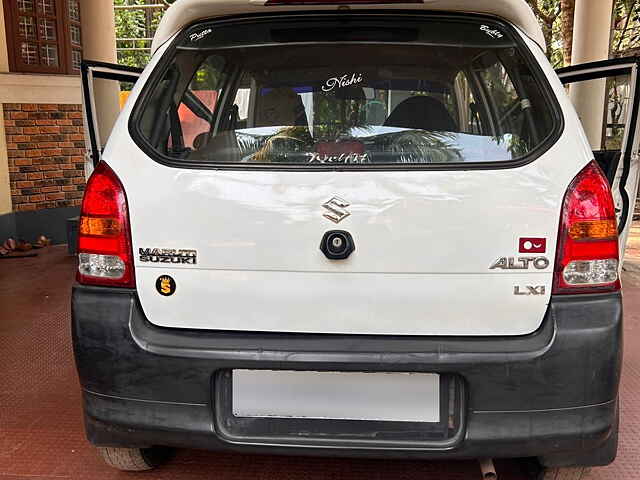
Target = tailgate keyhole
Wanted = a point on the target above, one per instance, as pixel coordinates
(337, 245)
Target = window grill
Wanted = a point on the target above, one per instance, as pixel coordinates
(136, 22)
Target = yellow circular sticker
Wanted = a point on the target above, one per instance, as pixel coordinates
(166, 286)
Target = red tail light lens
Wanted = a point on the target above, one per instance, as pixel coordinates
(104, 238)
(588, 256)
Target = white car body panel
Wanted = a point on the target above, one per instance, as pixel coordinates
(633, 188)
(186, 12)
(425, 241)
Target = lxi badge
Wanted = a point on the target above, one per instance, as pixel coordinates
(166, 286)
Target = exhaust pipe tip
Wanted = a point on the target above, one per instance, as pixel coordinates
(488, 469)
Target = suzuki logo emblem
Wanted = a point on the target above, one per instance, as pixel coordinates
(336, 209)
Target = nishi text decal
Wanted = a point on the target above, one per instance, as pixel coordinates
(341, 82)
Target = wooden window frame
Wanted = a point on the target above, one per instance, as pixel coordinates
(69, 45)
(63, 39)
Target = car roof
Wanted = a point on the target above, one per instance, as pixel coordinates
(185, 12)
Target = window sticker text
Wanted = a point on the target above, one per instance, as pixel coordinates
(341, 82)
(491, 32)
(344, 158)
(195, 37)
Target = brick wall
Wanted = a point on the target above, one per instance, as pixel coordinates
(45, 145)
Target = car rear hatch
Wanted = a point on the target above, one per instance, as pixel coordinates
(434, 145)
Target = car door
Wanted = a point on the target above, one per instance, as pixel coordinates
(105, 88)
(606, 98)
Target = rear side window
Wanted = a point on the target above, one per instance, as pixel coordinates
(355, 91)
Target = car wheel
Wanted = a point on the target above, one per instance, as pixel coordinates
(564, 473)
(133, 459)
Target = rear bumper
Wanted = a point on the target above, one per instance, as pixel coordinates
(550, 393)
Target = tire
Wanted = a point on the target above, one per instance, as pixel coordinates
(564, 473)
(133, 459)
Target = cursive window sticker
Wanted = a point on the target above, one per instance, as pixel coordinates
(343, 158)
(341, 82)
(493, 33)
(196, 37)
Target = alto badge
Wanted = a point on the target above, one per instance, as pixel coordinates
(520, 263)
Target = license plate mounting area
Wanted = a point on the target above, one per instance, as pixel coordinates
(398, 410)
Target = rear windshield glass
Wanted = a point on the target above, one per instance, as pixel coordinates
(349, 91)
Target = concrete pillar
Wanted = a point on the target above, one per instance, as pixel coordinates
(591, 42)
(4, 49)
(99, 43)
(5, 189)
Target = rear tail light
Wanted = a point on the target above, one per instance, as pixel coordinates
(104, 238)
(588, 257)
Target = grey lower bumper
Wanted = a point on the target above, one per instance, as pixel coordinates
(550, 393)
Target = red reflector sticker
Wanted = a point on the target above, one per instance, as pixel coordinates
(533, 245)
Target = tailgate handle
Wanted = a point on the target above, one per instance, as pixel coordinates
(337, 245)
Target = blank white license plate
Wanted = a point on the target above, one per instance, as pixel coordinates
(393, 397)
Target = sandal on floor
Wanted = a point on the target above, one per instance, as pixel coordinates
(42, 242)
(11, 255)
(23, 246)
(9, 244)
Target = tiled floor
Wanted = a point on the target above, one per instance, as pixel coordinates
(41, 434)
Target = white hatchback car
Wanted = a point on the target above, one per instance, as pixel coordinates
(355, 228)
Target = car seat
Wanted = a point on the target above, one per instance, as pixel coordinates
(422, 113)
